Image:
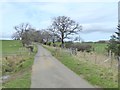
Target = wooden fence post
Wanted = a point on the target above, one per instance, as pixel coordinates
(119, 62)
(118, 70)
(110, 56)
(95, 58)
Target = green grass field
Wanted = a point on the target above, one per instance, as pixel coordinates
(10, 46)
(96, 75)
(99, 47)
(17, 65)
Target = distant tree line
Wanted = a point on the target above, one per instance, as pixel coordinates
(61, 28)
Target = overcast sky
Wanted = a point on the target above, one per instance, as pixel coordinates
(99, 19)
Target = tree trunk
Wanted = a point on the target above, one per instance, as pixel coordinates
(23, 44)
(62, 40)
(53, 40)
(119, 61)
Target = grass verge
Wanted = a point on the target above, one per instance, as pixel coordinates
(98, 76)
(20, 76)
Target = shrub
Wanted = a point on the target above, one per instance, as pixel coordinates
(60, 45)
(68, 44)
(82, 47)
(49, 43)
(54, 45)
(44, 43)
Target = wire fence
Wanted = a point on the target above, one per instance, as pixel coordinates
(108, 61)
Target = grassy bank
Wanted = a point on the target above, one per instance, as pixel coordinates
(21, 78)
(17, 62)
(96, 75)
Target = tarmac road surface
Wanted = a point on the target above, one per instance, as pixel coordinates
(48, 72)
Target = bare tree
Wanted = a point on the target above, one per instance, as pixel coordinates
(15, 36)
(21, 28)
(38, 36)
(54, 35)
(78, 38)
(64, 27)
(21, 33)
(46, 35)
(29, 36)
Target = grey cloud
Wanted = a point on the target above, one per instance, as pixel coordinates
(98, 30)
(102, 28)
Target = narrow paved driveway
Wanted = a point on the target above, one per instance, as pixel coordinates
(48, 72)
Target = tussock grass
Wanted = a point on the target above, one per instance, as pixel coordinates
(21, 78)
